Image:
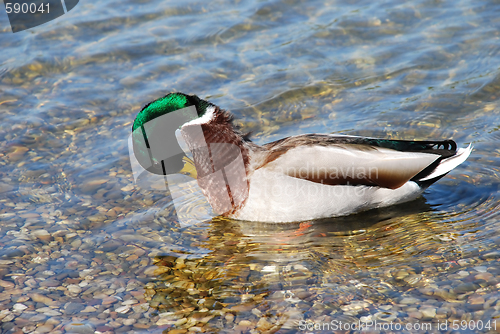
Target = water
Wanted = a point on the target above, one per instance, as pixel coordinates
(83, 250)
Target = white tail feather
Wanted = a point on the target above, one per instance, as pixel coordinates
(448, 164)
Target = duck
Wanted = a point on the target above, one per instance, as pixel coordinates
(297, 178)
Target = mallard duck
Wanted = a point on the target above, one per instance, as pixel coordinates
(297, 178)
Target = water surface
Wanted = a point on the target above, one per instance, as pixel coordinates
(84, 250)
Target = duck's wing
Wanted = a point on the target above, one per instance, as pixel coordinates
(340, 160)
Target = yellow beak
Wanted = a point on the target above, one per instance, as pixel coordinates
(189, 169)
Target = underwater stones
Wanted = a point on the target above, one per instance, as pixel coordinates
(4, 187)
(43, 235)
(123, 309)
(74, 289)
(19, 307)
(89, 309)
(73, 308)
(90, 186)
(475, 302)
(491, 255)
(39, 298)
(48, 311)
(465, 287)
(445, 294)
(409, 301)
(50, 283)
(385, 316)
(264, 325)
(79, 328)
(17, 153)
(110, 245)
(7, 284)
(428, 312)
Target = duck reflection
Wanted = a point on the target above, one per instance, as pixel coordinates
(267, 277)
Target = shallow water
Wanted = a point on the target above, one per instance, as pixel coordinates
(83, 250)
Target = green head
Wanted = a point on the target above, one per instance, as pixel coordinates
(168, 104)
(153, 132)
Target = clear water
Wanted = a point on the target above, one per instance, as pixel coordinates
(74, 229)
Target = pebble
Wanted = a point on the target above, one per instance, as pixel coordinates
(177, 331)
(466, 287)
(44, 329)
(89, 309)
(79, 328)
(42, 235)
(8, 317)
(180, 322)
(73, 308)
(6, 284)
(401, 274)
(50, 283)
(132, 257)
(38, 318)
(39, 298)
(491, 255)
(428, 313)
(123, 309)
(74, 289)
(476, 302)
(245, 323)
(91, 186)
(257, 312)
(19, 307)
(76, 243)
(356, 305)
(163, 321)
(150, 271)
(385, 316)
(229, 317)
(196, 329)
(129, 302)
(264, 325)
(51, 313)
(484, 275)
(409, 300)
(416, 314)
(445, 311)
(141, 308)
(110, 246)
(4, 187)
(109, 300)
(243, 307)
